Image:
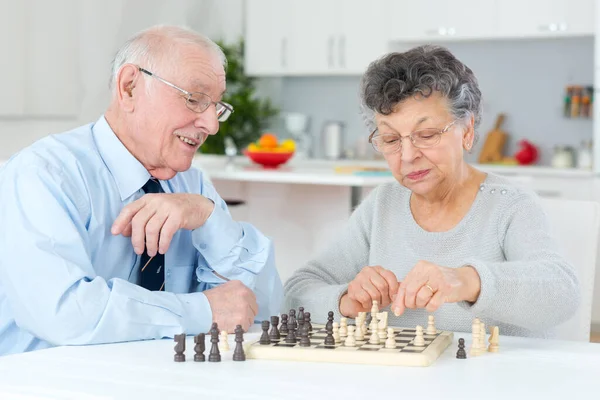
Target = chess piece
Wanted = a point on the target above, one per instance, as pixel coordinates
(461, 353)
(329, 340)
(343, 327)
(431, 325)
(284, 324)
(374, 339)
(382, 317)
(264, 338)
(274, 333)
(304, 336)
(359, 334)
(292, 322)
(494, 340)
(214, 355)
(336, 332)
(179, 347)
(482, 334)
(390, 342)
(419, 339)
(365, 322)
(374, 322)
(307, 322)
(475, 342)
(301, 314)
(329, 323)
(199, 348)
(350, 341)
(238, 352)
(224, 344)
(300, 323)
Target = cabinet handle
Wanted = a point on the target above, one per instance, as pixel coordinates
(284, 52)
(342, 49)
(330, 52)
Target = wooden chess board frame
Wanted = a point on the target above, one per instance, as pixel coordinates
(405, 354)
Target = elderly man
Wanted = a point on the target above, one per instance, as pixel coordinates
(109, 234)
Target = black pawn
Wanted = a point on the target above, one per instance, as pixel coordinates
(304, 337)
(238, 352)
(300, 322)
(329, 323)
(179, 347)
(461, 353)
(329, 340)
(292, 323)
(291, 335)
(199, 348)
(265, 339)
(307, 321)
(284, 324)
(301, 313)
(214, 355)
(274, 333)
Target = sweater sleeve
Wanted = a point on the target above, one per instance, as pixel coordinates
(536, 287)
(319, 285)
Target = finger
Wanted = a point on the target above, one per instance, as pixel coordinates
(381, 285)
(423, 296)
(392, 282)
(153, 232)
(436, 301)
(138, 229)
(374, 294)
(169, 229)
(253, 305)
(362, 297)
(413, 285)
(127, 231)
(126, 215)
(398, 307)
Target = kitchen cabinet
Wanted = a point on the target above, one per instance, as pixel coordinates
(312, 37)
(33, 34)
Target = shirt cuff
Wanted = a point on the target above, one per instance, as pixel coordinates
(488, 289)
(197, 314)
(218, 225)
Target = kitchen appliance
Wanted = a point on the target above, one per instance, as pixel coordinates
(296, 124)
(332, 137)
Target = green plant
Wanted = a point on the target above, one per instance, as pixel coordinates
(251, 114)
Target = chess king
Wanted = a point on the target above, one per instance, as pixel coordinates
(445, 237)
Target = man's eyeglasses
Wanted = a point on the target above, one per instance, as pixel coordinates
(197, 102)
(391, 142)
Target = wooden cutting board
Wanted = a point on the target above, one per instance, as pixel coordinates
(493, 148)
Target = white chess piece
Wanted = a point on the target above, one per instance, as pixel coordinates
(359, 335)
(482, 333)
(390, 343)
(350, 341)
(374, 323)
(475, 341)
(419, 339)
(343, 327)
(223, 344)
(382, 325)
(375, 307)
(494, 338)
(431, 325)
(374, 339)
(336, 332)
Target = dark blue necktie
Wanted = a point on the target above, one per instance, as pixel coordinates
(153, 275)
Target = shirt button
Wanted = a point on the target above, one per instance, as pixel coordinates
(202, 246)
(168, 271)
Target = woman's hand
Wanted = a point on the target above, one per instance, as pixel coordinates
(371, 283)
(429, 286)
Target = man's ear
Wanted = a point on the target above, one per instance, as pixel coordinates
(126, 83)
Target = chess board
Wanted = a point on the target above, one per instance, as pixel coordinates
(405, 353)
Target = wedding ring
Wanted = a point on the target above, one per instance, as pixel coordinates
(430, 288)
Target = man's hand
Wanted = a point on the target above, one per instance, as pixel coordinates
(371, 283)
(153, 219)
(429, 286)
(232, 303)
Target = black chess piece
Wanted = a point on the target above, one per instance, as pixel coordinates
(215, 354)
(307, 322)
(329, 323)
(274, 333)
(199, 348)
(291, 335)
(329, 340)
(300, 322)
(301, 313)
(264, 338)
(292, 322)
(461, 353)
(179, 347)
(304, 337)
(238, 352)
(284, 324)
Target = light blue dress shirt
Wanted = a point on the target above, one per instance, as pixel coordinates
(66, 280)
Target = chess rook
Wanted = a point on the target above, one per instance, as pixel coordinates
(274, 333)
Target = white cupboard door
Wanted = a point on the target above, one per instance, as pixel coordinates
(13, 45)
(416, 20)
(469, 19)
(363, 35)
(267, 37)
(579, 17)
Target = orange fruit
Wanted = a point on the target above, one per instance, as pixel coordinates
(268, 141)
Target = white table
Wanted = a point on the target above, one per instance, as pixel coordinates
(524, 369)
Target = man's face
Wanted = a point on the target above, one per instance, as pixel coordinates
(167, 133)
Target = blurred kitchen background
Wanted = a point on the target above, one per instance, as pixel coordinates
(537, 62)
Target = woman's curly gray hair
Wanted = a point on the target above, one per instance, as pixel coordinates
(422, 70)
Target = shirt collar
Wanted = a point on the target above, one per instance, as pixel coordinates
(129, 174)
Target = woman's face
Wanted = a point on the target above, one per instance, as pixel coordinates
(426, 170)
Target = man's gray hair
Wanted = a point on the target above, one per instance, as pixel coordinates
(420, 71)
(154, 46)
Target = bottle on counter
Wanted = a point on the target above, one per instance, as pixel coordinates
(585, 155)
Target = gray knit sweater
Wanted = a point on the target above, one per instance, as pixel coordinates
(527, 287)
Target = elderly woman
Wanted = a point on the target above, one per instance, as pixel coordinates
(446, 238)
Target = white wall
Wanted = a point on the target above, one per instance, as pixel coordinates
(104, 26)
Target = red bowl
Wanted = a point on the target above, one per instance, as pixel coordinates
(268, 159)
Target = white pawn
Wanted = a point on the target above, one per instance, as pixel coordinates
(336, 332)
(390, 343)
(224, 345)
(374, 339)
(359, 335)
(350, 341)
(419, 339)
(343, 327)
(431, 325)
